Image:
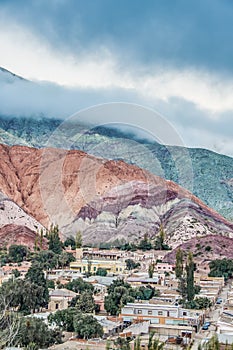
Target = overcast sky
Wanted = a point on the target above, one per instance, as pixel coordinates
(175, 57)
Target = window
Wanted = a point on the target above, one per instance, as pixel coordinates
(184, 313)
(139, 311)
(160, 313)
(56, 306)
(149, 312)
(94, 268)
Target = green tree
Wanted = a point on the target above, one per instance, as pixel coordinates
(160, 239)
(151, 270)
(131, 264)
(190, 277)
(119, 294)
(36, 276)
(85, 302)
(145, 244)
(70, 242)
(221, 268)
(55, 243)
(63, 319)
(101, 272)
(182, 287)
(79, 285)
(51, 284)
(17, 253)
(78, 240)
(199, 303)
(64, 259)
(23, 295)
(34, 330)
(47, 259)
(179, 263)
(87, 327)
(144, 292)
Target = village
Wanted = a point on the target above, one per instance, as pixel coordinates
(160, 313)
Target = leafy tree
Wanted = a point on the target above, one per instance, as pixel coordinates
(85, 302)
(34, 330)
(221, 268)
(129, 247)
(64, 259)
(79, 285)
(145, 244)
(17, 253)
(144, 292)
(119, 294)
(51, 284)
(78, 240)
(36, 276)
(87, 327)
(47, 259)
(131, 264)
(63, 319)
(199, 303)
(70, 242)
(23, 295)
(55, 243)
(159, 242)
(101, 272)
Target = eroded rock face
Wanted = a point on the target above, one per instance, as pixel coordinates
(18, 234)
(106, 200)
(207, 248)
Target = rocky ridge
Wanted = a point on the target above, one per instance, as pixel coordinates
(106, 200)
(206, 174)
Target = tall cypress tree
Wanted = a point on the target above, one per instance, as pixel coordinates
(179, 263)
(190, 277)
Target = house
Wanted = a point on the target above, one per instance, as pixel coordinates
(164, 318)
(225, 327)
(164, 267)
(92, 260)
(59, 299)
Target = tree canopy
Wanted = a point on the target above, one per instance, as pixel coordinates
(221, 268)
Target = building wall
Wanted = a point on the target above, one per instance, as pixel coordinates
(116, 267)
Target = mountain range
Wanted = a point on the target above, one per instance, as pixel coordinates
(106, 200)
(206, 174)
(109, 183)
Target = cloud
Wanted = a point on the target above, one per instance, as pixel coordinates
(36, 59)
(175, 58)
(180, 33)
